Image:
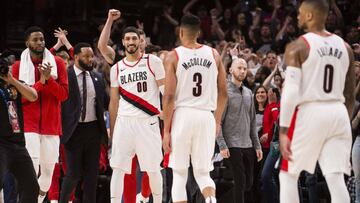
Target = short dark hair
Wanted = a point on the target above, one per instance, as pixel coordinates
(31, 30)
(271, 52)
(319, 5)
(130, 29)
(190, 21)
(78, 46)
(277, 93)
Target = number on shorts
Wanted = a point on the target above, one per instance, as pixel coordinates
(197, 78)
(328, 78)
(142, 86)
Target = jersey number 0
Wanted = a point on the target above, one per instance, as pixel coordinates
(328, 78)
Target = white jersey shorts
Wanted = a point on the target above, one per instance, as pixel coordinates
(140, 136)
(192, 135)
(45, 148)
(322, 132)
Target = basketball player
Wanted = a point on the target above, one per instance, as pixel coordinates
(136, 82)
(195, 86)
(319, 80)
(42, 118)
(109, 55)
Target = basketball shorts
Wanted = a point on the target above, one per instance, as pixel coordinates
(140, 136)
(43, 147)
(322, 132)
(192, 136)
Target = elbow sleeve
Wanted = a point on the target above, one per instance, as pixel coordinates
(290, 95)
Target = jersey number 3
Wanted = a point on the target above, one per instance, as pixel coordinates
(328, 78)
(197, 78)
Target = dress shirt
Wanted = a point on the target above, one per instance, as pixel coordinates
(91, 95)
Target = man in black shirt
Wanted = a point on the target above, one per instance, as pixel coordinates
(14, 157)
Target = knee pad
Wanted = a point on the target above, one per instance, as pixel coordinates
(36, 164)
(289, 187)
(337, 187)
(155, 179)
(156, 185)
(178, 190)
(117, 184)
(203, 179)
(45, 178)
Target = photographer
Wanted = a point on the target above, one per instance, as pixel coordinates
(14, 157)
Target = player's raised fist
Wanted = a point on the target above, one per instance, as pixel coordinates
(114, 14)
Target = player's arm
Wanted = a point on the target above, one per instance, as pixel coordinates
(27, 92)
(106, 51)
(349, 90)
(113, 107)
(222, 91)
(114, 98)
(161, 84)
(294, 56)
(169, 97)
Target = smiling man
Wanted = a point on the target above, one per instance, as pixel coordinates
(42, 124)
(136, 82)
(83, 124)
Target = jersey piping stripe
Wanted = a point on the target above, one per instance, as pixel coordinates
(306, 42)
(176, 54)
(285, 163)
(187, 47)
(148, 65)
(328, 34)
(213, 53)
(139, 102)
(123, 60)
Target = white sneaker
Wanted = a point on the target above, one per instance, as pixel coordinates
(141, 199)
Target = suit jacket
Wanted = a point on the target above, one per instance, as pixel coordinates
(71, 108)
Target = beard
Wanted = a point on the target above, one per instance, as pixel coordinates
(302, 26)
(131, 51)
(37, 52)
(239, 78)
(87, 67)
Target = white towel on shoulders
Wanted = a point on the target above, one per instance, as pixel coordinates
(27, 69)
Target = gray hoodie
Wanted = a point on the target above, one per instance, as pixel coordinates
(238, 120)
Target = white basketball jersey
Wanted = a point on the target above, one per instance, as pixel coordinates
(325, 69)
(196, 74)
(139, 86)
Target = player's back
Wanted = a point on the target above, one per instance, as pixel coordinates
(324, 71)
(196, 74)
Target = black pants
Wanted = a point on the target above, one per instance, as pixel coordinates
(15, 159)
(82, 152)
(242, 166)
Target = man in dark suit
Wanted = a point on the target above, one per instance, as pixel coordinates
(83, 125)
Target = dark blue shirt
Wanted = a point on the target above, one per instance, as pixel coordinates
(11, 116)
